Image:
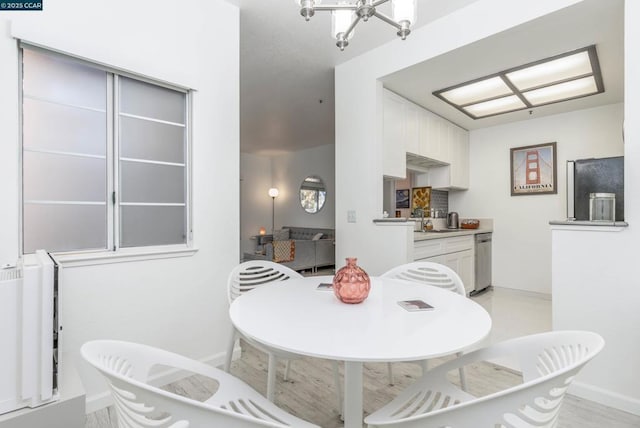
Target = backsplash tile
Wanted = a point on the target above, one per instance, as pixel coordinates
(440, 200)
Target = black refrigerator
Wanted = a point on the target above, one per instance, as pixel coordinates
(585, 176)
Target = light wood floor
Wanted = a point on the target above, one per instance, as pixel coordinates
(310, 393)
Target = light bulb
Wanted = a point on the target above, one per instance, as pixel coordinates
(404, 10)
(340, 22)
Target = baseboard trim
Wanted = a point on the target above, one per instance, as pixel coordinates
(103, 399)
(528, 293)
(605, 397)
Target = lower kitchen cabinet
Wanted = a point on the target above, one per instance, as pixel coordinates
(462, 264)
(455, 252)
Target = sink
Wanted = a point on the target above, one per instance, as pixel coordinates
(439, 231)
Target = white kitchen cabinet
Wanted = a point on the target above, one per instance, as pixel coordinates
(394, 157)
(409, 128)
(433, 136)
(462, 263)
(411, 119)
(455, 252)
(456, 174)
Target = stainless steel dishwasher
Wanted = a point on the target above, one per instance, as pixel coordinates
(483, 262)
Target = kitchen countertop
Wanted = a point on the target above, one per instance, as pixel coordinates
(423, 236)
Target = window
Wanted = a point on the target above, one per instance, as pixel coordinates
(105, 157)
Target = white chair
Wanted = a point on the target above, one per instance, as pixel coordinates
(138, 404)
(245, 277)
(549, 363)
(434, 274)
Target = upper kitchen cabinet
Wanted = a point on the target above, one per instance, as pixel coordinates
(394, 159)
(431, 142)
(454, 176)
(433, 136)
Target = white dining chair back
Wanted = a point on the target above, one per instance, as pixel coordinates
(244, 278)
(126, 367)
(549, 363)
(254, 273)
(429, 273)
(434, 274)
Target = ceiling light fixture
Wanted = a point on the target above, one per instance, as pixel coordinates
(571, 75)
(346, 14)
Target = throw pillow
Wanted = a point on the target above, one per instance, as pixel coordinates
(317, 236)
(281, 235)
(284, 251)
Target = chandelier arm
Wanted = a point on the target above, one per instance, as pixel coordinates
(378, 3)
(388, 20)
(351, 27)
(331, 7)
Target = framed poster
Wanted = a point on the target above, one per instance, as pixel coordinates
(534, 170)
(420, 198)
(402, 198)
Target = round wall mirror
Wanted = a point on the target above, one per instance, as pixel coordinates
(312, 194)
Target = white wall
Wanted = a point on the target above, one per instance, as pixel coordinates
(522, 240)
(288, 171)
(180, 303)
(255, 203)
(358, 105)
(595, 274)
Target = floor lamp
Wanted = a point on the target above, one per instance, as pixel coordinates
(273, 192)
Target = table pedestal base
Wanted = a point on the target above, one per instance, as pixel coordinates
(353, 394)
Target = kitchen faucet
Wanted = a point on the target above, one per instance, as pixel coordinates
(421, 211)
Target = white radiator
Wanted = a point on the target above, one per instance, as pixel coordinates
(27, 354)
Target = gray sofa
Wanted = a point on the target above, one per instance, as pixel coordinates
(309, 254)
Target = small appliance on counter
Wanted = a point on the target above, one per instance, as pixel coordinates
(597, 177)
(602, 207)
(452, 220)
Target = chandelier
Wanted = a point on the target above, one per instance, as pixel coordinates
(345, 15)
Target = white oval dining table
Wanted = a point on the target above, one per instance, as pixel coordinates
(295, 316)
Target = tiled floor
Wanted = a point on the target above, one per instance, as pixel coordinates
(514, 313)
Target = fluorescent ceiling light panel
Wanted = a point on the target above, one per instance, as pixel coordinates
(559, 78)
(474, 92)
(493, 107)
(562, 91)
(568, 67)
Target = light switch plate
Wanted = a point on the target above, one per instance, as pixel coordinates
(351, 216)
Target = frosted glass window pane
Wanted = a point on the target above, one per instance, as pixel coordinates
(143, 99)
(49, 126)
(142, 139)
(500, 105)
(64, 227)
(64, 178)
(151, 183)
(63, 80)
(562, 91)
(552, 71)
(482, 90)
(143, 226)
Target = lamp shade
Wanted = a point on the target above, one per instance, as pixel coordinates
(273, 192)
(404, 10)
(340, 22)
(262, 231)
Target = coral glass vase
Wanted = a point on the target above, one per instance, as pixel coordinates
(351, 283)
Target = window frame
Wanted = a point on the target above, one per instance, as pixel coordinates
(113, 251)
